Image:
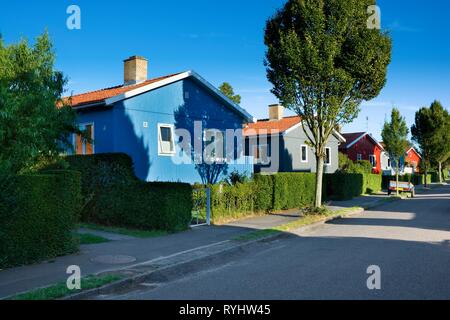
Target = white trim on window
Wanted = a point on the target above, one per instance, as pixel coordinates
(172, 151)
(305, 147)
(329, 157)
(82, 127)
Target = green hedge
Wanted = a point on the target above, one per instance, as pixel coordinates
(372, 183)
(39, 226)
(144, 205)
(293, 190)
(113, 196)
(343, 186)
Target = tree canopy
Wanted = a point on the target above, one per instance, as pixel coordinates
(32, 127)
(228, 91)
(323, 62)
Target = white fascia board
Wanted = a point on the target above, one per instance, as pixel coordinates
(356, 140)
(335, 132)
(176, 78)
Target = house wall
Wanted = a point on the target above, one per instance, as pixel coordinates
(413, 158)
(178, 104)
(289, 154)
(366, 147)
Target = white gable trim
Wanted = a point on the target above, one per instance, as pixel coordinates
(412, 148)
(177, 78)
(335, 132)
(362, 136)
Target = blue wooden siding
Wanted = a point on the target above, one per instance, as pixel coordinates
(121, 129)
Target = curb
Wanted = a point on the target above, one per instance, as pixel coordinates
(168, 272)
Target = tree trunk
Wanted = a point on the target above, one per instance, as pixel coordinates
(440, 172)
(426, 174)
(319, 180)
(396, 177)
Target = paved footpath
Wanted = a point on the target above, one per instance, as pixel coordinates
(20, 279)
(409, 240)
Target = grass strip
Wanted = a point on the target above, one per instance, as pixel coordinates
(304, 221)
(60, 290)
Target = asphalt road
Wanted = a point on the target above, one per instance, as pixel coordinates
(409, 240)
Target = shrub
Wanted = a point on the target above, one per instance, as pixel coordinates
(46, 208)
(232, 202)
(264, 189)
(113, 196)
(372, 183)
(145, 206)
(343, 186)
(293, 190)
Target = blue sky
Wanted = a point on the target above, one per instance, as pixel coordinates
(223, 41)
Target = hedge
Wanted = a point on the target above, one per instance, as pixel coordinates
(293, 190)
(263, 194)
(114, 196)
(40, 225)
(144, 205)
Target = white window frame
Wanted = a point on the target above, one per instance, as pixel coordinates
(329, 158)
(172, 131)
(359, 157)
(82, 127)
(301, 153)
(372, 156)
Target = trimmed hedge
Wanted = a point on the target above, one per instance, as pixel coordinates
(40, 224)
(373, 183)
(144, 205)
(114, 196)
(263, 194)
(343, 186)
(293, 190)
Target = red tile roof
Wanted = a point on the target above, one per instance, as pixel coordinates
(271, 126)
(103, 94)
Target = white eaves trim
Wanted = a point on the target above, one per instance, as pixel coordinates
(335, 132)
(412, 148)
(362, 136)
(177, 78)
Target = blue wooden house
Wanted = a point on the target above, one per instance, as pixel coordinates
(175, 128)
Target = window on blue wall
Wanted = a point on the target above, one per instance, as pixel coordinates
(166, 143)
(84, 143)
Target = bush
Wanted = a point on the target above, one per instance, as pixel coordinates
(293, 190)
(39, 227)
(145, 206)
(343, 186)
(113, 196)
(230, 202)
(264, 189)
(372, 183)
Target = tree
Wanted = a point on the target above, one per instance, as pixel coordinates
(228, 91)
(323, 62)
(440, 151)
(32, 127)
(395, 138)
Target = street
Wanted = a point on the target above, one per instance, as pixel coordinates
(408, 240)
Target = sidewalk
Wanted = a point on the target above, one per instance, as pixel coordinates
(20, 279)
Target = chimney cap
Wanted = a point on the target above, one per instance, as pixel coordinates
(135, 58)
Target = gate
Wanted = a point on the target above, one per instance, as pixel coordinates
(201, 211)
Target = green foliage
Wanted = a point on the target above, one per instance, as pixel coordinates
(60, 290)
(395, 136)
(113, 196)
(32, 128)
(232, 202)
(236, 177)
(40, 224)
(323, 62)
(145, 205)
(293, 190)
(341, 186)
(346, 165)
(346, 186)
(265, 192)
(228, 91)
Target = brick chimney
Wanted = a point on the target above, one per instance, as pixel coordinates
(135, 70)
(276, 112)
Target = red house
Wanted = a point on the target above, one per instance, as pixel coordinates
(413, 159)
(362, 146)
